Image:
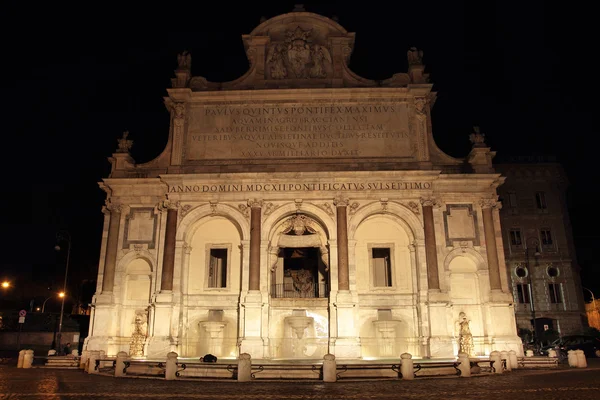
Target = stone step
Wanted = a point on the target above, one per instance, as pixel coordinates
(57, 367)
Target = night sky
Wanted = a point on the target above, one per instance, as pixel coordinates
(74, 79)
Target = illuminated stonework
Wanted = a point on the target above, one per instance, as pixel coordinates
(302, 210)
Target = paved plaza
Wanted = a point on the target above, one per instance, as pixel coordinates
(564, 383)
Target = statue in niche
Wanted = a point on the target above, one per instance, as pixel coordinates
(415, 56)
(140, 331)
(275, 60)
(124, 143)
(465, 338)
(184, 60)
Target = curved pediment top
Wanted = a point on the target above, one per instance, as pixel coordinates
(283, 21)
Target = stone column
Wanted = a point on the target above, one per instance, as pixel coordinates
(166, 281)
(433, 279)
(255, 225)
(112, 245)
(342, 242)
(490, 242)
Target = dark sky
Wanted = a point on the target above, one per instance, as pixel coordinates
(74, 79)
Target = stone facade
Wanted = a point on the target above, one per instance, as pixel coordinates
(539, 250)
(302, 210)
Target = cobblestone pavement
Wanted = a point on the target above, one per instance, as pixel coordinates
(36, 383)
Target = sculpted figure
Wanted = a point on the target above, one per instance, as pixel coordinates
(138, 338)
(465, 338)
(319, 55)
(184, 60)
(415, 57)
(124, 143)
(275, 61)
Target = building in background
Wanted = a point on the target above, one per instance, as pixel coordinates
(538, 247)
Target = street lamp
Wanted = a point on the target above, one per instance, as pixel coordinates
(536, 253)
(5, 285)
(62, 236)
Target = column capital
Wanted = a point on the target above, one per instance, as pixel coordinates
(490, 203)
(166, 205)
(255, 203)
(429, 202)
(340, 202)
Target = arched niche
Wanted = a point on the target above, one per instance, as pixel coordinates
(190, 222)
(137, 286)
(382, 255)
(215, 256)
(298, 256)
(404, 216)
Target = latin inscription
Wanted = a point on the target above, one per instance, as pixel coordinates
(244, 132)
(298, 187)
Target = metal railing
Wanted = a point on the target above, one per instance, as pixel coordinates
(308, 291)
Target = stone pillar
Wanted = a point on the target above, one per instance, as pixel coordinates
(433, 279)
(166, 281)
(20, 360)
(496, 362)
(171, 366)
(112, 245)
(465, 365)
(552, 353)
(529, 353)
(255, 226)
(572, 358)
(329, 368)
(581, 360)
(489, 230)
(514, 361)
(504, 358)
(407, 368)
(28, 358)
(120, 363)
(244, 368)
(342, 242)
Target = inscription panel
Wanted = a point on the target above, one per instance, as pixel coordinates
(324, 131)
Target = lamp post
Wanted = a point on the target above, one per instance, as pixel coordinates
(536, 253)
(62, 236)
(44, 304)
(593, 302)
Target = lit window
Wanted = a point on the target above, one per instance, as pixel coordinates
(381, 266)
(523, 295)
(546, 237)
(555, 293)
(540, 200)
(515, 237)
(217, 268)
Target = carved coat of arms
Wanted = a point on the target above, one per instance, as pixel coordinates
(297, 57)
